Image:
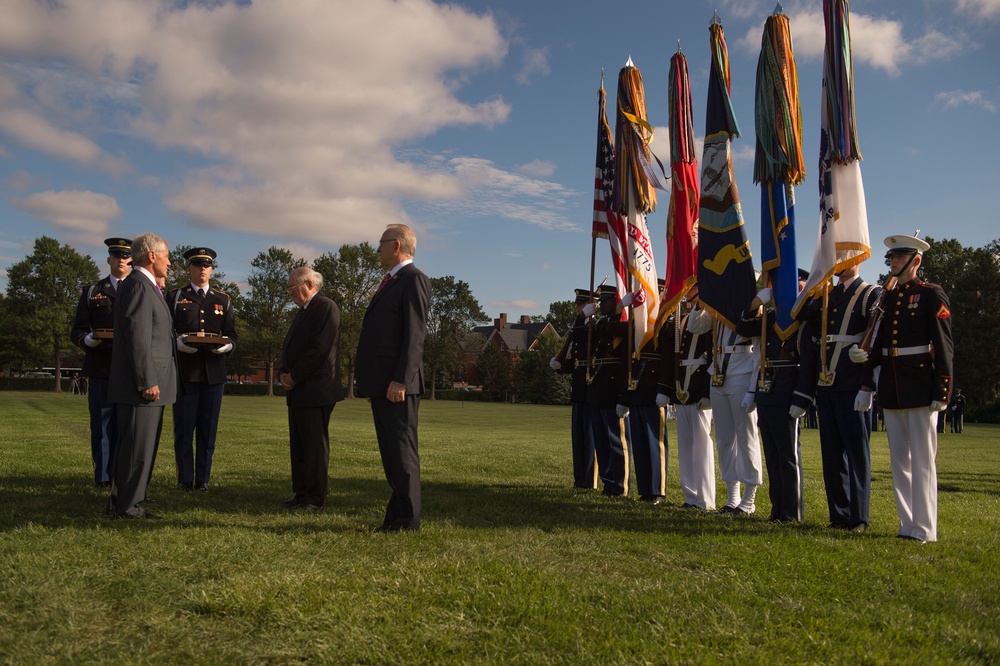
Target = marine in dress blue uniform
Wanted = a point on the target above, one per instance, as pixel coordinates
(844, 433)
(199, 311)
(913, 349)
(92, 332)
(576, 364)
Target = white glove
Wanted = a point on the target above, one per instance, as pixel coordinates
(748, 403)
(699, 322)
(224, 349)
(796, 412)
(627, 300)
(91, 341)
(857, 354)
(589, 309)
(764, 295)
(662, 399)
(938, 406)
(183, 347)
(554, 364)
(863, 401)
(622, 411)
(704, 403)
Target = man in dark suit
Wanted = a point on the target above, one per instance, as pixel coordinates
(92, 331)
(310, 373)
(200, 313)
(143, 373)
(389, 369)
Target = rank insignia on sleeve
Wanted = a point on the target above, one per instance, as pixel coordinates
(943, 312)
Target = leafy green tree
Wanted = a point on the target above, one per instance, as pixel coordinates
(42, 294)
(561, 315)
(534, 380)
(452, 313)
(266, 309)
(351, 277)
(495, 372)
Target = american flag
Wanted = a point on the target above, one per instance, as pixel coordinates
(607, 223)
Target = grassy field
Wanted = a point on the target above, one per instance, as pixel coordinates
(512, 565)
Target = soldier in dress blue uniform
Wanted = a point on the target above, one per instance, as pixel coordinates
(684, 382)
(647, 432)
(608, 418)
(576, 363)
(913, 349)
(92, 332)
(198, 311)
(844, 433)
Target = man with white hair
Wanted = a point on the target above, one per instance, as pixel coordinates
(913, 349)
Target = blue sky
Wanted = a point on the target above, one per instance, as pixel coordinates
(312, 123)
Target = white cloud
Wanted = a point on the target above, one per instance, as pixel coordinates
(987, 9)
(876, 42)
(956, 98)
(535, 64)
(517, 305)
(296, 107)
(538, 168)
(79, 211)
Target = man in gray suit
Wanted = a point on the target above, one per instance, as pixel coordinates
(143, 373)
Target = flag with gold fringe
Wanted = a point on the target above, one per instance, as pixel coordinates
(682, 216)
(726, 281)
(607, 222)
(843, 222)
(634, 197)
(778, 166)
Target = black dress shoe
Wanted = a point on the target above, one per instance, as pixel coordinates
(727, 509)
(291, 503)
(839, 526)
(203, 487)
(186, 487)
(859, 527)
(656, 500)
(305, 506)
(687, 505)
(102, 484)
(148, 500)
(395, 527)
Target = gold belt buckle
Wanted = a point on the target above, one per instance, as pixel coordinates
(826, 378)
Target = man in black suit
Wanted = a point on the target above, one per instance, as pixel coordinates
(310, 373)
(200, 313)
(143, 373)
(389, 370)
(92, 331)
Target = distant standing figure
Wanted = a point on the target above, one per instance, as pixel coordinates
(74, 384)
(199, 311)
(92, 332)
(143, 373)
(310, 373)
(957, 411)
(389, 369)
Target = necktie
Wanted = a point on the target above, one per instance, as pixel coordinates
(201, 293)
(158, 290)
(384, 281)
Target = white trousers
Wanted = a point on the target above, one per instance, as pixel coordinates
(912, 437)
(695, 457)
(736, 432)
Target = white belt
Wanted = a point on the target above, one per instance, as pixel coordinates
(906, 351)
(735, 349)
(843, 338)
(694, 361)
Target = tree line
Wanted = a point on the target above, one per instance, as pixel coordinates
(38, 310)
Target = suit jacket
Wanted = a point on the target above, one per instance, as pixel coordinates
(311, 356)
(689, 372)
(144, 353)
(95, 311)
(211, 313)
(391, 345)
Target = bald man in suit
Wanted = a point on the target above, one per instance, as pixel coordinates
(143, 373)
(389, 370)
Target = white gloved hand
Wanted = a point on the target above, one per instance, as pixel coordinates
(589, 309)
(181, 347)
(224, 349)
(662, 399)
(622, 411)
(764, 295)
(91, 341)
(796, 412)
(627, 300)
(554, 364)
(704, 403)
(857, 354)
(938, 406)
(863, 401)
(699, 322)
(748, 403)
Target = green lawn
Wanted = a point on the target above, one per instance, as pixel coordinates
(512, 565)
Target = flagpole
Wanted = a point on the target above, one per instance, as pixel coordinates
(590, 321)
